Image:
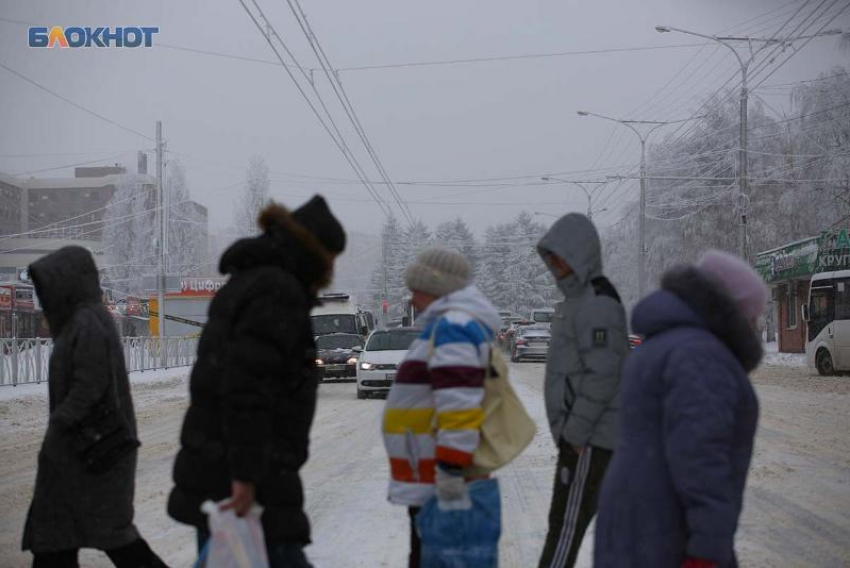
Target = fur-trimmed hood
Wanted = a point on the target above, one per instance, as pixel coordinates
(284, 242)
(691, 298)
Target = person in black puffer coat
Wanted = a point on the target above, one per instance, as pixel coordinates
(73, 507)
(253, 387)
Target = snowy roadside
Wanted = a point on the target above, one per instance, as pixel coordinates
(136, 378)
(773, 358)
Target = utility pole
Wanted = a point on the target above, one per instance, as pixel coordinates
(384, 299)
(160, 220)
(643, 135)
(743, 151)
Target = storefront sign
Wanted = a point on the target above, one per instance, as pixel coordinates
(796, 260)
(198, 287)
(834, 251)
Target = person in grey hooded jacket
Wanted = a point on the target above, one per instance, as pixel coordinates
(589, 343)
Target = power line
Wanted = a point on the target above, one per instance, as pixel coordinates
(342, 96)
(515, 57)
(72, 103)
(795, 52)
(340, 143)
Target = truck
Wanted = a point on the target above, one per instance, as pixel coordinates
(336, 313)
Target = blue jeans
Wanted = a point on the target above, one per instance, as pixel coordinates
(281, 555)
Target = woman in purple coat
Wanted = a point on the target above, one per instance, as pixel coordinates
(673, 492)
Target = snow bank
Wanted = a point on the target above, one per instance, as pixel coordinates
(8, 392)
(775, 359)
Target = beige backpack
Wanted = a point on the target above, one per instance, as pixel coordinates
(507, 428)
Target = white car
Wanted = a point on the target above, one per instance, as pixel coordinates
(379, 360)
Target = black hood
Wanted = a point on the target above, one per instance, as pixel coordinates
(64, 280)
(708, 298)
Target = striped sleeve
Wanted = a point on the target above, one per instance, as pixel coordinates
(461, 350)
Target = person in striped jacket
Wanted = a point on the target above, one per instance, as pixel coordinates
(433, 415)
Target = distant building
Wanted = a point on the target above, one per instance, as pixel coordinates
(50, 213)
(11, 206)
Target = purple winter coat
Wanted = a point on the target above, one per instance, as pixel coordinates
(674, 488)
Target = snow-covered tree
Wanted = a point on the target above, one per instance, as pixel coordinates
(512, 274)
(416, 238)
(393, 265)
(456, 235)
(128, 234)
(799, 182)
(186, 240)
(254, 197)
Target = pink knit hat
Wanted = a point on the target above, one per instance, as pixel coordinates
(742, 282)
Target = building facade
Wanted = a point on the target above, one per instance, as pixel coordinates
(788, 271)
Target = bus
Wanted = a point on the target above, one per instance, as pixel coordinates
(827, 313)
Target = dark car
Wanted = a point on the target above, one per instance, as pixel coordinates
(531, 342)
(335, 355)
(510, 334)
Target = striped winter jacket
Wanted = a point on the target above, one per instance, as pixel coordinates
(433, 410)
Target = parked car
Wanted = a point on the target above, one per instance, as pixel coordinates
(531, 342)
(336, 357)
(380, 359)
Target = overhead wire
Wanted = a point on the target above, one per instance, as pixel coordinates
(338, 143)
(72, 103)
(345, 101)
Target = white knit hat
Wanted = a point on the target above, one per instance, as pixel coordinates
(438, 271)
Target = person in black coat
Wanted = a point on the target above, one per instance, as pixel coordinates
(253, 387)
(74, 507)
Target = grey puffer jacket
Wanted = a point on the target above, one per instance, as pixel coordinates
(72, 508)
(589, 340)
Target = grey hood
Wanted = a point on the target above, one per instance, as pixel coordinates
(574, 238)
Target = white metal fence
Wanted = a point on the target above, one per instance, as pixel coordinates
(25, 361)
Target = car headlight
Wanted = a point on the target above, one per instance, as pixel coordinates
(352, 361)
(366, 366)
(319, 362)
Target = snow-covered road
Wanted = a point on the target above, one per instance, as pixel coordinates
(797, 508)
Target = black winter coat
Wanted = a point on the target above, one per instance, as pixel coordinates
(72, 508)
(253, 388)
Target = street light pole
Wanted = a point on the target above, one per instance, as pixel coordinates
(743, 150)
(643, 136)
(581, 185)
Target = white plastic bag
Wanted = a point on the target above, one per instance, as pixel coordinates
(234, 542)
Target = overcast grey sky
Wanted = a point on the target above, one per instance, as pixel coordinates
(453, 122)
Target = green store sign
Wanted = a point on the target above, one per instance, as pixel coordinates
(830, 251)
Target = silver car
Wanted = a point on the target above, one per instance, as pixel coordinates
(531, 343)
